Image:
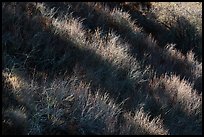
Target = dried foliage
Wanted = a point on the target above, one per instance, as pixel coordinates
(127, 68)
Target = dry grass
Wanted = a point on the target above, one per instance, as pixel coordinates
(184, 23)
(67, 74)
(140, 124)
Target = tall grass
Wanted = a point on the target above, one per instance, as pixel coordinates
(142, 45)
(178, 100)
(140, 124)
(68, 107)
(184, 24)
(65, 74)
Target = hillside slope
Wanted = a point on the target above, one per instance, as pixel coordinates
(94, 68)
